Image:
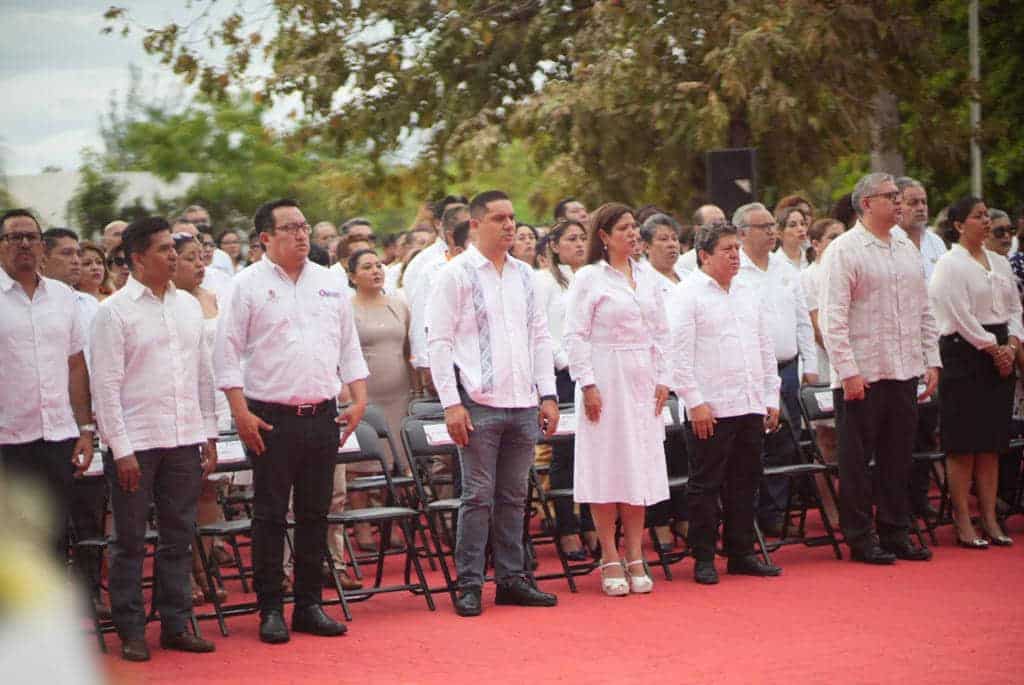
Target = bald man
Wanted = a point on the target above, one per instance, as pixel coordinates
(112, 234)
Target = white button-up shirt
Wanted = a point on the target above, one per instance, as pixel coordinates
(298, 340)
(721, 348)
(491, 328)
(36, 338)
(87, 308)
(415, 285)
(966, 297)
(783, 296)
(552, 298)
(686, 264)
(874, 313)
(152, 376)
(218, 282)
(932, 248)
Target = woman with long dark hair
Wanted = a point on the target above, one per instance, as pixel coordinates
(616, 336)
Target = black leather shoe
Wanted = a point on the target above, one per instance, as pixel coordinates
(751, 565)
(134, 650)
(872, 554)
(314, 621)
(272, 627)
(521, 592)
(704, 572)
(186, 642)
(468, 602)
(902, 549)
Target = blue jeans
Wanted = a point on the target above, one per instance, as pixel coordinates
(495, 471)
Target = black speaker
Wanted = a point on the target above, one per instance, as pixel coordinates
(732, 177)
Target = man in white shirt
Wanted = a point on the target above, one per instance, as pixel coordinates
(914, 226)
(46, 432)
(571, 208)
(725, 373)
(88, 496)
(198, 216)
(772, 276)
(153, 389)
(704, 216)
(881, 339)
(454, 214)
(490, 356)
(286, 343)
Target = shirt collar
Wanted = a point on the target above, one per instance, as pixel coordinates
(272, 266)
(476, 258)
(6, 282)
(868, 238)
(136, 290)
(700, 278)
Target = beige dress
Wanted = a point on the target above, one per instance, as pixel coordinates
(384, 336)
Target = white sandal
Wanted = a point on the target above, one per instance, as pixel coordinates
(613, 587)
(639, 584)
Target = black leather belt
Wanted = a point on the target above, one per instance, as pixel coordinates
(290, 409)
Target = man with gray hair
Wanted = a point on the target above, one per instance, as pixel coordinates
(705, 215)
(881, 339)
(773, 276)
(725, 373)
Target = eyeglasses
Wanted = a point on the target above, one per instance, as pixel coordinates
(208, 244)
(117, 261)
(891, 197)
(764, 227)
(1002, 232)
(29, 238)
(295, 229)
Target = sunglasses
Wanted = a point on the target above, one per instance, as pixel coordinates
(117, 261)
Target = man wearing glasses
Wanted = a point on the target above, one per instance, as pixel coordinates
(286, 343)
(881, 339)
(200, 218)
(47, 430)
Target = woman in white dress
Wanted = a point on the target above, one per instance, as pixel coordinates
(568, 240)
(793, 236)
(616, 335)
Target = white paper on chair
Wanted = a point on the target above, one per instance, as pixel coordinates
(95, 466)
(566, 424)
(437, 434)
(351, 445)
(230, 452)
(824, 400)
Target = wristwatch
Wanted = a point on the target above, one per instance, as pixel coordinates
(87, 428)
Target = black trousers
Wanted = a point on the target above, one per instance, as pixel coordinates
(48, 465)
(300, 453)
(88, 509)
(882, 425)
(728, 466)
(171, 479)
(561, 473)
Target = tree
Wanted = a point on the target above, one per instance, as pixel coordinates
(94, 203)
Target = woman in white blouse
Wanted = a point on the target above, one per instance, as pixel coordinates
(568, 242)
(978, 312)
(616, 335)
(793, 236)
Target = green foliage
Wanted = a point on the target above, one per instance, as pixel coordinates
(601, 100)
(94, 203)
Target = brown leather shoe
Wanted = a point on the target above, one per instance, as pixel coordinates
(186, 642)
(347, 582)
(134, 650)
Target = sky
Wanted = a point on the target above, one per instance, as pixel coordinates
(57, 72)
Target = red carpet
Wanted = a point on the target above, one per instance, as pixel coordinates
(956, 619)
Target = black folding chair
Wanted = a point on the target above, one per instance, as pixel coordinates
(428, 483)
(934, 459)
(675, 484)
(384, 517)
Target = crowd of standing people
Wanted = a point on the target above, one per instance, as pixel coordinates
(165, 334)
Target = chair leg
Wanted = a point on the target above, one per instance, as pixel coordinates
(662, 559)
(761, 543)
(445, 572)
(336, 581)
(353, 562)
(211, 571)
(237, 553)
(825, 521)
(410, 553)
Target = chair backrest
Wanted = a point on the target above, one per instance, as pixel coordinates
(376, 419)
(425, 407)
(369, 447)
(422, 454)
(816, 402)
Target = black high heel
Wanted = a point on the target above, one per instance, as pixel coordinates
(998, 540)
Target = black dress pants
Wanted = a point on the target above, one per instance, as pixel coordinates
(48, 464)
(728, 466)
(300, 453)
(882, 425)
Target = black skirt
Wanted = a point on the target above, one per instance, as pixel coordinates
(975, 404)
